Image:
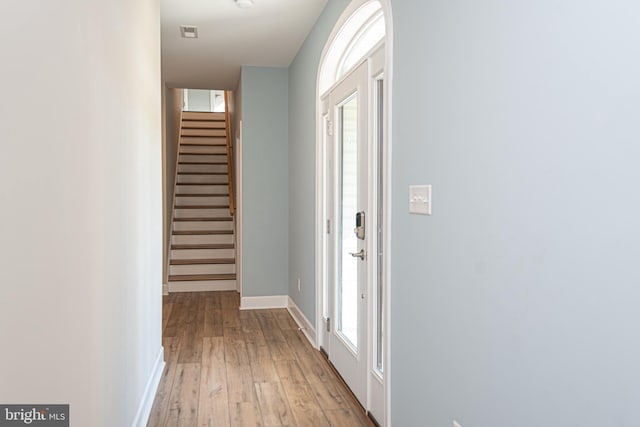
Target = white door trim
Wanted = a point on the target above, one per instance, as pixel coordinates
(238, 212)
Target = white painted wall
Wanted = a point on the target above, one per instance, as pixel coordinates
(81, 214)
(198, 100)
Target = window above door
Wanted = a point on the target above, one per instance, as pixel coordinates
(361, 33)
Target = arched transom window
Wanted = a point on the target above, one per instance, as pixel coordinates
(362, 31)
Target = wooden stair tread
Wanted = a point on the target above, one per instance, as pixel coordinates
(201, 195)
(208, 218)
(187, 246)
(203, 163)
(202, 133)
(197, 154)
(199, 115)
(203, 115)
(203, 124)
(203, 183)
(190, 144)
(203, 173)
(190, 120)
(201, 207)
(200, 277)
(203, 261)
(202, 232)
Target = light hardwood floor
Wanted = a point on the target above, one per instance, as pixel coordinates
(226, 367)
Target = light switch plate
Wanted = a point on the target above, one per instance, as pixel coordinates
(420, 199)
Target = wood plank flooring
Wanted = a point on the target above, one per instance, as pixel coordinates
(228, 368)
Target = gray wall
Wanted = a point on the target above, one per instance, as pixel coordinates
(516, 302)
(265, 179)
(236, 119)
(302, 159)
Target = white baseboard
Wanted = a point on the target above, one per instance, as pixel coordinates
(305, 326)
(165, 289)
(144, 410)
(258, 303)
(205, 286)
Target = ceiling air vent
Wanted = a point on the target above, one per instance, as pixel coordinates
(244, 4)
(188, 32)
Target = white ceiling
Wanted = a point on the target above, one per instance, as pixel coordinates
(268, 34)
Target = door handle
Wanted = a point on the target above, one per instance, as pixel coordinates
(359, 254)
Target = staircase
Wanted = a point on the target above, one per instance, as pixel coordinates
(202, 254)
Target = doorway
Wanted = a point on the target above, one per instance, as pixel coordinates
(347, 251)
(353, 201)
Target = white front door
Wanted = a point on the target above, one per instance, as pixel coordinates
(347, 113)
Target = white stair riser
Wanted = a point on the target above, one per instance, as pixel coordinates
(202, 225)
(202, 253)
(204, 201)
(200, 179)
(203, 286)
(188, 149)
(204, 124)
(201, 213)
(202, 158)
(202, 269)
(203, 238)
(203, 132)
(221, 141)
(202, 168)
(203, 189)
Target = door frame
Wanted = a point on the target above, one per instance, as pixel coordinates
(237, 169)
(321, 217)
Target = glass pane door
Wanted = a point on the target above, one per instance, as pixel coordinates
(348, 269)
(349, 201)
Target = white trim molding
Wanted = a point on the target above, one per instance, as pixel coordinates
(388, 197)
(266, 302)
(144, 410)
(303, 323)
(238, 200)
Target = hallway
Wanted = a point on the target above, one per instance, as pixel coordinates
(226, 367)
